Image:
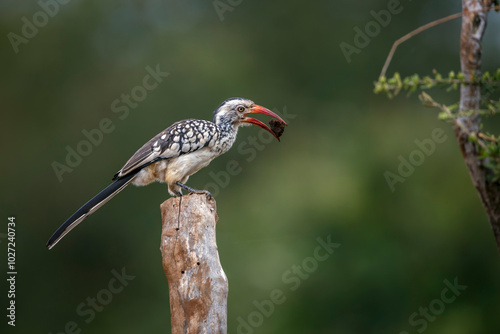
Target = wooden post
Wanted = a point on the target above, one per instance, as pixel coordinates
(197, 283)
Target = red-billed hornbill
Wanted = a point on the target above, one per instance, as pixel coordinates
(174, 154)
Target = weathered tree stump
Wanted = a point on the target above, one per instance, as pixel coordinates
(197, 284)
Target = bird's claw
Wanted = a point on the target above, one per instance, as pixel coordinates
(206, 192)
(195, 191)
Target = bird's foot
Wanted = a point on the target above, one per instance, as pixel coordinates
(195, 191)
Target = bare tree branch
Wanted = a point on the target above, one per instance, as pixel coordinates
(423, 28)
(474, 23)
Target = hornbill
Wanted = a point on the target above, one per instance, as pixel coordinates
(174, 154)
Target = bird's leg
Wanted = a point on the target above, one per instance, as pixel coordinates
(195, 191)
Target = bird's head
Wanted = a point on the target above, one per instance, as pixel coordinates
(233, 112)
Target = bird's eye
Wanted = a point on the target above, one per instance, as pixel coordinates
(240, 109)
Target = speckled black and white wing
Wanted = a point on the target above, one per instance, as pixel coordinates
(182, 137)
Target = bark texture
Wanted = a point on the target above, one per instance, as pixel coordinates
(474, 22)
(197, 284)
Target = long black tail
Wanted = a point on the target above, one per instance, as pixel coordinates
(90, 207)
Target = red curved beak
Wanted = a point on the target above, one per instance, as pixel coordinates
(261, 110)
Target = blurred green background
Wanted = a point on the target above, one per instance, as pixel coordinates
(324, 180)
